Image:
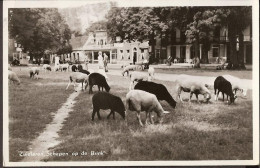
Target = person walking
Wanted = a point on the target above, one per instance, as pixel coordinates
(105, 62)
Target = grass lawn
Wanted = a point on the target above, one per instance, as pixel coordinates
(192, 131)
(31, 107)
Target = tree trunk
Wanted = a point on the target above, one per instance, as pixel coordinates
(152, 43)
(241, 55)
(233, 64)
(197, 56)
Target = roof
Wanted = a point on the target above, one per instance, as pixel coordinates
(78, 42)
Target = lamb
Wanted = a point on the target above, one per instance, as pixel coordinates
(128, 68)
(74, 68)
(159, 90)
(224, 86)
(79, 78)
(187, 83)
(98, 79)
(137, 76)
(104, 100)
(13, 77)
(236, 83)
(46, 67)
(139, 100)
(34, 71)
(151, 73)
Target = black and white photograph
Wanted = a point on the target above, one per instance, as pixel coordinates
(137, 83)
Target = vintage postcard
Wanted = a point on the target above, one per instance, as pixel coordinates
(131, 83)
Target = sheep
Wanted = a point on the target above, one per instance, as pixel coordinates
(84, 71)
(224, 86)
(151, 72)
(128, 68)
(98, 79)
(56, 67)
(74, 68)
(104, 100)
(237, 84)
(9, 68)
(137, 76)
(159, 90)
(79, 78)
(13, 77)
(34, 71)
(46, 67)
(187, 83)
(64, 67)
(80, 67)
(139, 100)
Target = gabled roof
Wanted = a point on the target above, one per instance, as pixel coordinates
(77, 43)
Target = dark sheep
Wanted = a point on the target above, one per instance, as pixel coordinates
(80, 67)
(159, 90)
(98, 79)
(104, 101)
(224, 86)
(74, 68)
(84, 71)
(48, 68)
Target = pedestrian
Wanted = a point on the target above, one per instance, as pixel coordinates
(100, 60)
(42, 60)
(105, 62)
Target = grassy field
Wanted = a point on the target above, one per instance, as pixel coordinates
(31, 107)
(192, 131)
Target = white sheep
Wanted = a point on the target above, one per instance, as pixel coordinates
(46, 67)
(151, 72)
(139, 100)
(237, 84)
(34, 71)
(64, 67)
(137, 77)
(128, 68)
(187, 83)
(79, 78)
(56, 67)
(13, 77)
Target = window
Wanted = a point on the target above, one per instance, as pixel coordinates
(128, 53)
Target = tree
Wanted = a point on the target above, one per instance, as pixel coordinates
(100, 25)
(38, 30)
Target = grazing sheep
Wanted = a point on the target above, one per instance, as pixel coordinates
(128, 68)
(98, 79)
(46, 67)
(74, 68)
(13, 77)
(34, 71)
(137, 76)
(151, 72)
(159, 90)
(187, 83)
(79, 78)
(224, 86)
(65, 67)
(102, 72)
(237, 84)
(139, 100)
(104, 100)
(80, 67)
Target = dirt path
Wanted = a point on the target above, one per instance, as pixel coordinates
(48, 138)
(172, 78)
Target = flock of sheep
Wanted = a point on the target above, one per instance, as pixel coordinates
(145, 95)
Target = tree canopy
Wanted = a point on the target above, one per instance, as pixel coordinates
(39, 29)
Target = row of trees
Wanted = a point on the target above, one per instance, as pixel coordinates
(197, 23)
(40, 31)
